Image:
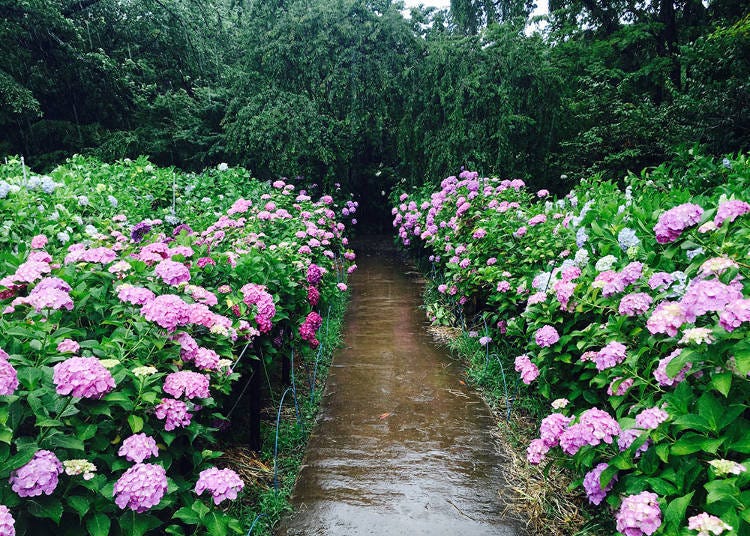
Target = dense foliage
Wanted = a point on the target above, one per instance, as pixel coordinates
(133, 298)
(627, 313)
(355, 92)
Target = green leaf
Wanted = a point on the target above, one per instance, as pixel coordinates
(710, 409)
(79, 504)
(66, 442)
(722, 491)
(691, 443)
(98, 525)
(741, 352)
(722, 382)
(216, 523)
(675, 511)
(136, 423)
(187, 515)
(46, 507)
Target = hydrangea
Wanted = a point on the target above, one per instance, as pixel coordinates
(172, 273)
(717, 266)
(622, 386)
(706, 296)
(168, 311)
(174, 413)
(697, 336)
(707, 525)
(82, 377)
(39, 241)
(537, 220)
(605, 263)
(484, 341)
(315, 274)
(634, 304)
(639, 514)
(593, 486)
(220, 483)
(552, 427)
(139, 231)
(581, 237)
(6, 518)
(134, 295)
(309, 328)
(730, 210)
(627, 437)
(560, 403)
(138, 447)
(529, 371)
(651, 418)
(546, 336)
(674, 221)
(536, 451)
(667, 318)
(593, 427)
(140, 487)
(628, 239)
(735, 314)
(257, 295)
(8, 375)
(206, 359)
(187, 383)
(612, 354)
(660, 373)
(727, 467)
(39, 475)
(79, 467)
(68, 345)
(660, 281)
(145, 371)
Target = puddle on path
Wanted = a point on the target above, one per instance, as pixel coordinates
(401, 447)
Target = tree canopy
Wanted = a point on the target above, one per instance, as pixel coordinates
(364, 93)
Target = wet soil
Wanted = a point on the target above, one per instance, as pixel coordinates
(402, 445)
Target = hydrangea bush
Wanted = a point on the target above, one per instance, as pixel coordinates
(124, 325)
(629, 311)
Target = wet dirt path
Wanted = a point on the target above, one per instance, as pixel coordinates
(402, 446)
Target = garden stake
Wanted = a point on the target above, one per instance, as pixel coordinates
(505, 388)
(276, 444)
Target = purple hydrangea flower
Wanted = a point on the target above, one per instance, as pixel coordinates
(139, 231)
(609, 356)
(536, 452)
(639, 514)
(190, 384)
(168, 311)
(552, 427)
(735, 314)
(730, 210)
(546, 336)
(6, 522)
(174, 413)
(674, 221)
(635, 304)
(651, 418)
(529, 371)
(8, 375)
(140, 487)
(39, 475)
(172, 273)
(221, 483)
(82, 377)
(592, 484)
(138, 447)
(660, 373)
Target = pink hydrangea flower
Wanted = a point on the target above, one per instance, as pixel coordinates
(667, 318)
(537, 220)
(30, 271)
(82, 377)
(257, 295)
(39, 241)
(593, 486)
(546, 336)
(39, 475)
(138, 447)
(622, 386)
(660, 280)
(529, 371)
(627, 437)
(503, 286)
(206, 359)
(735, 314)
(8, 375)
(309, 328)
(564, 291)
(6, 522)
(220, 483)
(134, 295)
(639, 514)
(730, 210)
(707, 296)
(651, 418)
(140, 487)
(593, 427)
(707, 525)
(172, 273)
(635, 304)
(611, 355)
(674, 221)
(99, 255)
(536, 451)
(552, 427)
(660, 373)
(174, 413)
(168, 311)
(188, 383)
(68, 345)
(520, 231)
(315, 274)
